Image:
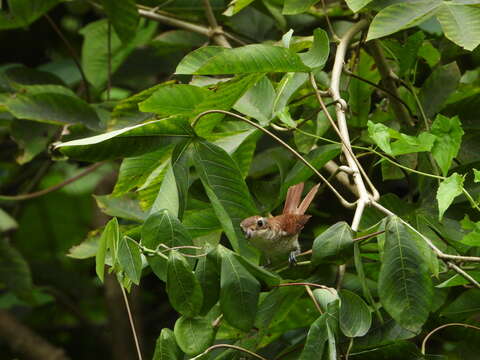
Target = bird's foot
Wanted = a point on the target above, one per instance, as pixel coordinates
(292, 258)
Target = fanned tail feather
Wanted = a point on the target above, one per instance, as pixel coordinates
(294, 194)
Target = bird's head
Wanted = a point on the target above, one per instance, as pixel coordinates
(255, 226)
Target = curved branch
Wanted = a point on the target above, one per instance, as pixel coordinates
(424, 342)
(53, 188)
(219, 346)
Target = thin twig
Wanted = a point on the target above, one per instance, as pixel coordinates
(368, 236)
(53, 188)
(284, 144)
(175, 22)
(235, 347)
(132, 325)
(424, 342)
(73, 54)
(310, 293)
(463, 273)
(307, 284)
(329, 24)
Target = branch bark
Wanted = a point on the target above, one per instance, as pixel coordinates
(26, 342)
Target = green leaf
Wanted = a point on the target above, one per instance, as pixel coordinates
(293, 7)
(361, 92)
(125, 207)
(197, 58)
(317, 157)
(109, 237)
(289, 84)
(257, 102)
(95, 55)
(459, 280)
(226, 190)
(86, 249)
(255, 58)
(449, 134)
(52, 104)
(137, 172)
(201, 222)
(130, 259)
(174, 99)
(407, 144)
(447, 191)
(276, 305)
(476, 174)
(381, 135)
(316, 338)
(317, 55)
(183, 288)
(163, 228)
(208, 275)
(224, 97)
(235, 6)
(238, 290)
(355, 316)
(333, 245)
(464, 306)
(461, 24)
(269, 278)
(167, 198)
(130, 141)
(166, 347)
(193, 335)
(356, 5)
(7, 222)
(14, 271)
(401, 16)
(24, 12)
(404, 284)
(442, 82)
(124, 17)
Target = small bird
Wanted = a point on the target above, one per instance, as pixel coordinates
(277, 236)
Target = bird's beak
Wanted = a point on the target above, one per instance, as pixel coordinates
(248, 233)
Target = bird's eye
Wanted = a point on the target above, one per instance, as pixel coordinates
(260, 222)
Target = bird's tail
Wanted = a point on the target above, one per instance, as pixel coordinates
(292, 201)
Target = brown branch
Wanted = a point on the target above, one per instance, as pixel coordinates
(39, 193)
(219, 346)
(216, 31)
(424, 342)
(26, 342)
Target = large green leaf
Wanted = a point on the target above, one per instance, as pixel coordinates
(461, 23)
(293, 7)
(356, 5)
(208, 275)
(449, 134)
(174, 99)
(166, 347)
(52, 104)
(447, 191)
(316, 338)
(404, 284)
(193, 335)
(124, 17)
(130, 259)
(442, 82)
(401, 16)
(255, 58)
(163, 228)
(223, 97)
(286, 88)
(333, 245)
(226, 190)
(108, 240)
(167, 197)
(95, 55)
(7, 222)
(136, 172)
(125, 206)
(257, 102)
(239, 293)
(130, 141)
(183, 289)
(24, 12)
(14, 271)
(464, 306)
(269, 278)
(355, 318)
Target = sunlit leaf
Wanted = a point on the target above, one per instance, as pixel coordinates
(447, 191)
(193, 335)
(129, 259)
(461, 24)
(449, 134)
(108, 240)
